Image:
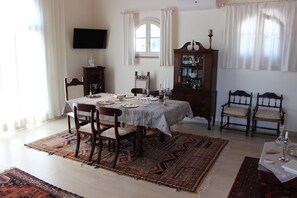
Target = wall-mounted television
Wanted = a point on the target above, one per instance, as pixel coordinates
(89, 38)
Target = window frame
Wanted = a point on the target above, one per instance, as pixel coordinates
(148, 21)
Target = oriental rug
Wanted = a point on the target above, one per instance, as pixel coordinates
(180, 162)
(246, 183)
(15, 183)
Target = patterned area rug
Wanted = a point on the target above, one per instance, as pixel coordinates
(245, 184)
(15, 183)
(180, 162)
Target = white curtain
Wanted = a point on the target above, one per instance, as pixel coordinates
(261, 36)
(166, 50)
(129, 36)
(32, 58)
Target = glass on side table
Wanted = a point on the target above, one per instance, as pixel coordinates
(280, 139)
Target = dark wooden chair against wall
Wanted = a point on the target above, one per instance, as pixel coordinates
(137, 91)
(268, 109)
(238, 106)
(87, 129)
(115, 134)
(74, 82)
(142, 81)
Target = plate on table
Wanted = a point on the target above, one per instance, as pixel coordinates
(129, 96)
(93, 96)
(130, 105)
(153, 99)
(106, 102)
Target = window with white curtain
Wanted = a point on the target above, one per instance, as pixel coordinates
(27, 94)
(150, 38)
(271, 39)
(261, 36)
(147, 38)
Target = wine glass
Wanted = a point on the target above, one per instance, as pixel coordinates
(279, 140)
(148, 92)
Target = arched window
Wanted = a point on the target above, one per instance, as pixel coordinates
(147, 38)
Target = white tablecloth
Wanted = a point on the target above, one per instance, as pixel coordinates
(148, 113)
(276, 167)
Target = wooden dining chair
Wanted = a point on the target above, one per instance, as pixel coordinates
(238, 106)
(142, 81)
(137, 91)
(86, 127)
(73, 83)
(115, 134)
(143, 91)
(269, 109)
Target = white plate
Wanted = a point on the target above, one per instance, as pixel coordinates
(153, 99)
(93, 96)
(129, 96)
(130, 105)
(106, 102)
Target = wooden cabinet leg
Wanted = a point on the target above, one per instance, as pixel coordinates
(208, 127)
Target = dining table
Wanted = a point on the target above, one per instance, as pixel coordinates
(140, 111)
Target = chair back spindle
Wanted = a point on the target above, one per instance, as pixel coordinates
(143, 79)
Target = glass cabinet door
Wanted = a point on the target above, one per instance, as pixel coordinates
(192, 71)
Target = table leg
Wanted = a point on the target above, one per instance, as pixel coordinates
(139, 140)
(262, 189)
(162, 137)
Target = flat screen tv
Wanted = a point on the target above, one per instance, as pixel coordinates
(89, 38)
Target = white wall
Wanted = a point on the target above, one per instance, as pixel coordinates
(77, 14)
(188, 26)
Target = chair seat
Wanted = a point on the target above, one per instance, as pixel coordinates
(71, 114)
(88, 129)
(268, 114)
(236, 111)
(110, 133)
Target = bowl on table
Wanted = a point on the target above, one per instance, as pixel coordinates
(120, 96)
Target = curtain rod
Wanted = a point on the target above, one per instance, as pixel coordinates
(137, 11)
(267, 1)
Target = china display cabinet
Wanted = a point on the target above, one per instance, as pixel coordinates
(94, 79)
(195, 75)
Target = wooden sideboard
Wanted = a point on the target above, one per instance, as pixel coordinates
(93, 79)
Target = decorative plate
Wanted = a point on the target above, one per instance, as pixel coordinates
(130, 105)
(153, 99)
(106, 102)
(129, 96)
(93, 96)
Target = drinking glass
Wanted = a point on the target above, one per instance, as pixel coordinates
(279, 140)
(148, 92)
